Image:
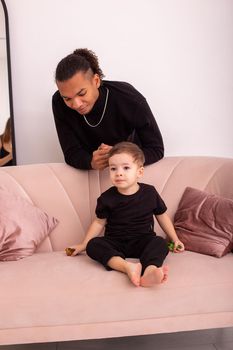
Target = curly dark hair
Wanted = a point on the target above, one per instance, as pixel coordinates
(81, 60)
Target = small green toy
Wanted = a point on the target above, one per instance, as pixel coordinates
(171, 246)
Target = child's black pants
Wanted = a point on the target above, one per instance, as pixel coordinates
(149, 249)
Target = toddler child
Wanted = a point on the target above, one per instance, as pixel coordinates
(126, 211)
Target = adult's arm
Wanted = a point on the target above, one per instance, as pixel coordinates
(7, 158)
(73, 151)
(148, 133)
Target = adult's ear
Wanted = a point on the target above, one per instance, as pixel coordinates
(96, 80)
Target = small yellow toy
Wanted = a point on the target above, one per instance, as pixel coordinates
(69, 251)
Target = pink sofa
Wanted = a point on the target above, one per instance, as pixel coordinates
(50, 297)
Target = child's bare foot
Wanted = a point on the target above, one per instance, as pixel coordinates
(165, 271)
(154, 275)
(134, 272)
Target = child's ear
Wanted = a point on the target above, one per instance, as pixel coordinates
(140, 171)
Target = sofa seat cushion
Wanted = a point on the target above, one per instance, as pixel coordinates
(76, 298)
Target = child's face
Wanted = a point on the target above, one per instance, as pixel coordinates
(124, 172)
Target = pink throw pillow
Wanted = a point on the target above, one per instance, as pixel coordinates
(23, 226)
(204, 222)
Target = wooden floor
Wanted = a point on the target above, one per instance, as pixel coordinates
(214, 339)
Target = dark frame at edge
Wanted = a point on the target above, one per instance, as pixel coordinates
(9, 81)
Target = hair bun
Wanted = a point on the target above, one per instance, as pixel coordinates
(81, 52)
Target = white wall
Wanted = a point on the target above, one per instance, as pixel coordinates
(178, 53)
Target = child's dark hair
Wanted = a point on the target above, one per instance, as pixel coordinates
(81, 60)
(129, 148)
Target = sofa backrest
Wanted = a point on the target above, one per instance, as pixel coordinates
(70, 194)
(172, 175)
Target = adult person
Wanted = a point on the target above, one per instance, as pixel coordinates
(6, 145)
(91, 114)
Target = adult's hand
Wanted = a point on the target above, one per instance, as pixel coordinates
(100, 157)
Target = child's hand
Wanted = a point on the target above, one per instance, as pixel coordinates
(74, 250)
(176, 247)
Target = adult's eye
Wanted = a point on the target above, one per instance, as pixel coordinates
(82, 93)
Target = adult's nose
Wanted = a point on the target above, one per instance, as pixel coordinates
(76, 103)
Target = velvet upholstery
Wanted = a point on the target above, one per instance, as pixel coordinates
(204, 222)
(50, 297)
(23, 226)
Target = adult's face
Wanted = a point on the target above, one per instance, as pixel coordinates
(80, 92)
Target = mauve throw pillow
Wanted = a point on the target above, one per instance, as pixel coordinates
(23, 226)
(204, 222)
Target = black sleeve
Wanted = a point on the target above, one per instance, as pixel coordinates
(160, 206)
(73, 152)
(102, 212)
(148, 133)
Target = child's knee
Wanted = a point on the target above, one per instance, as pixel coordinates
(162, 244)
(92, 247)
